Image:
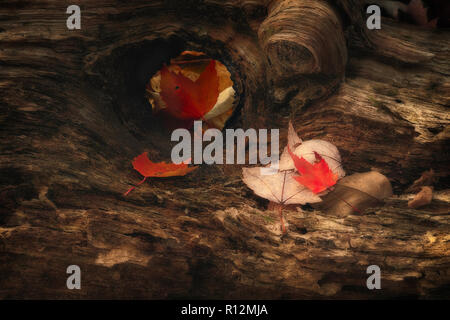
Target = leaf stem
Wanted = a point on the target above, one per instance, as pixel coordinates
(132, 188)
(280, 213)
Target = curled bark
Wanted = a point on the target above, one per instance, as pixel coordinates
(303, 37)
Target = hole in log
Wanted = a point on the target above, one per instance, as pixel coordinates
(128, 78)
(192, 87)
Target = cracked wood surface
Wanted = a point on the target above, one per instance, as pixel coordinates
(73, 116)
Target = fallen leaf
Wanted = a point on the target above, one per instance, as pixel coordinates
(223, 105)
(356, 193)
(192, 69)
(416, 10)
(419, 13)
(294, 141)
(218, 121)
(192, 53)
(147, 168)
(186, 99)
(224, 76)
(306, 149)
(317, 177)
(191, 65)
(426, 179)
(283, 186)
(421, 199)
(391, 7)
(279, 187)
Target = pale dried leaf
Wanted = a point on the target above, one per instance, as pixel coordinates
(279, 187)
(293, 142)
(293, 139)
(224, 76)
(156, 101)
(223, 104)
(285, 161)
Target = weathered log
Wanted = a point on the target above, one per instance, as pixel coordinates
(303, 37)
(73, 115)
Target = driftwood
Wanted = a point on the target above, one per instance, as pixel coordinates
(73, 114)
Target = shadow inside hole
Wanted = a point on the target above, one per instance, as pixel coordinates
(133, 67)
(125, 73)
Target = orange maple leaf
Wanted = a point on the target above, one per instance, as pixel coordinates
(186, 99)
(316, 177)
(147, 168)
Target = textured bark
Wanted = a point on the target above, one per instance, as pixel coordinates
(73, 115)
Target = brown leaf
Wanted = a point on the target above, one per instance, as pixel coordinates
(427, 179)
(419, 13)
(422, 198)
(356, 193)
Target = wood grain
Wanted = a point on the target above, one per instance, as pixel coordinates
(73, 115)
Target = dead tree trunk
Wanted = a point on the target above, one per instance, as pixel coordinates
(73, 115)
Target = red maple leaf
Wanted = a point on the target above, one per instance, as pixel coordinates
(147, 168)
(316, 177)
(186, 99)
